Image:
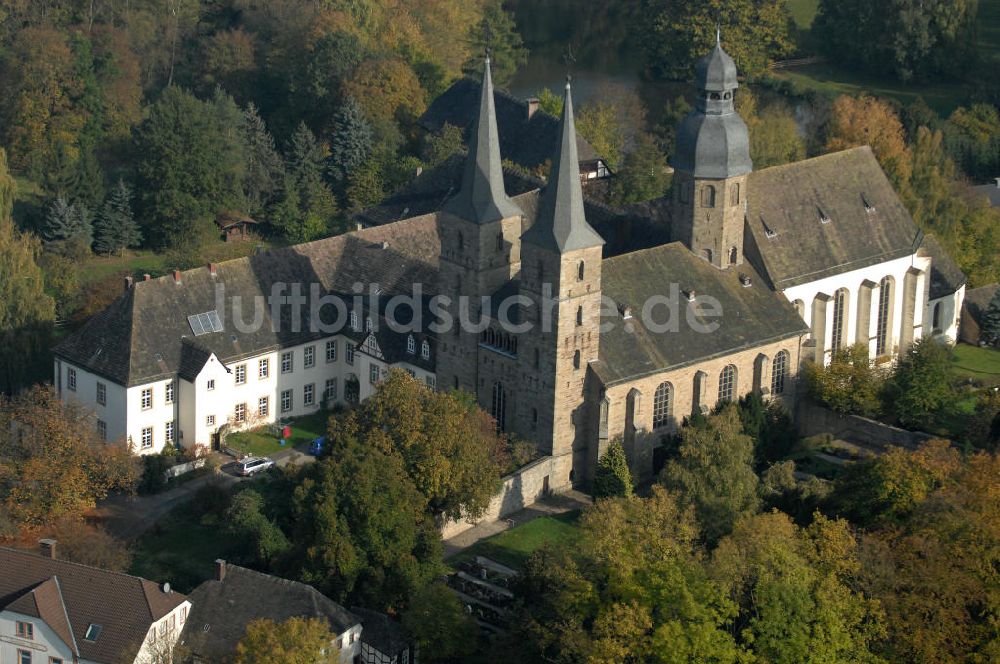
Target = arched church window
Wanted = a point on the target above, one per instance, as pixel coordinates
(733, 255)
(499, 406)
(727, 383)
(936, 317)
(707, 255)
(579, 316)
(779, 371)
(579, 271)
(663, 405)
(708, 196)
(734, 194)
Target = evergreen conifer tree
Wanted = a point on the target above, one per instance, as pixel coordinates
(264, 168)
(307, 208)
(613, 477)
(989, 331)
(115, 228)
(350, 143)
(65, 222)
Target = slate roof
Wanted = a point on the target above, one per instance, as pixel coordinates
(221, 610)
(70, 597)
(481, 198)
(561, 224)
(381, 632)
(716, 71)
(145, 334)
(528, 142)
(751, 316)
(946, 276)
(787, 205)
(990, 191)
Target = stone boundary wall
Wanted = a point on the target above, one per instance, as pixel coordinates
(520, 489)
(184, 468)
(813, 419)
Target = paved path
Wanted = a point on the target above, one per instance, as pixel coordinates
(554, 504)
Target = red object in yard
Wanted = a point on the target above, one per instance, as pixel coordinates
(286, 432)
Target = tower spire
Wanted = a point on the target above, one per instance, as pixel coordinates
(561, 225)
(482, 197)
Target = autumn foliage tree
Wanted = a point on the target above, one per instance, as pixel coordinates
(870, 121)
(293, 641)
(449, 448)
(52, 465)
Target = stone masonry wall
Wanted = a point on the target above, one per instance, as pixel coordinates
(813, 419)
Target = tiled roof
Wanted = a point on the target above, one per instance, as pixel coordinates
(221, 610)
(381, 632)
(70, 597)
(866, 223)
(946, 276)
(751, 316)
(145, 334)
(528, 142)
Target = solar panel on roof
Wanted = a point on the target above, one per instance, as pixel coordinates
(205, 323)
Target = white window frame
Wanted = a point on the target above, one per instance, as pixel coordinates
(264, 406)
(210, 384)
(210, 420)
(102, 394)
(240, 413)
(330, 389)
(425, 350)
(146, 438)
(240, 374)
(287, 362)
(309, 394)
(411, 345)
(287, 401)
(71, 379)
(349, 353)
(168, 432)
(168, 392)
(374, 373)
(146, 398)
(331, 350)
(263, 368)
(309, 357)
(102, 430)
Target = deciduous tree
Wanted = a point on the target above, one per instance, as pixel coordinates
(870, 121)
(921, 387)
(293, 641)
(713, 472)
(439, 625)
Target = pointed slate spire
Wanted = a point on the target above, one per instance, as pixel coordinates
(561, 225)
(482, 198)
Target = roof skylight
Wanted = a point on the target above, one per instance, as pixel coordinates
(205, 323)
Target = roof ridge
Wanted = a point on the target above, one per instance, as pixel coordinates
(819, 157)
(643, 250)
(69, 624)
(64, 561)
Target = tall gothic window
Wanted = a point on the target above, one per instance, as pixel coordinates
(839, 307)
(579, 316)
(727, 383)
(884, 304)
(779, 371)
(663, 405)
(579, 271)
(936, 317)
(499, 406)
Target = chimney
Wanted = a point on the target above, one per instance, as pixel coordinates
(220, 569)
(177, 277)
(146, 277)
(47, 547)
(532, 106)
(128, 282)
(211, 269)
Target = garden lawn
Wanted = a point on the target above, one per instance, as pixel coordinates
(181, 549)
(981, 364)
(803, 12)
(513, 547)
(262, 442)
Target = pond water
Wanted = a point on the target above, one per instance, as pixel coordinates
(598, 36)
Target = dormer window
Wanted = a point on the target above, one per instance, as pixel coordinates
(869, 208)
(411, 345)
(368, 324)
(354, 321)
(823, 217)
(768, 231)
(25, 630)
(425, 350)
(93, 631)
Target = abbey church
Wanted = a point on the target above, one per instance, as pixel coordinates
(590, 323)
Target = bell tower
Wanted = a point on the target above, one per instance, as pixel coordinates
(711, 164)
(480, 230)
(561, 277)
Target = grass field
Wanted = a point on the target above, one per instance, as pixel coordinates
(514, 546)
(803, 12)
(261, 442)
(181, 549)
(978, 363)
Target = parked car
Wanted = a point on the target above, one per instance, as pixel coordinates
(251, 465)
